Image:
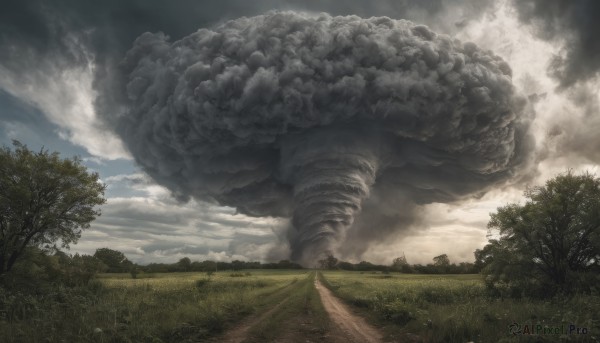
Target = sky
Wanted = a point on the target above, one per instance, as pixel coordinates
(67, 84)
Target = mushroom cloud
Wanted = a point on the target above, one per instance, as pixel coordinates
(304, 116)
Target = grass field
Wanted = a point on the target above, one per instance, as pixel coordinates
(174, 307)
(192, 307)
(456, 308)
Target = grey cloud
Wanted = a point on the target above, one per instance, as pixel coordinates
(575, 25)
(158, 216)
(175, 246)
(573, 132)
(308, 116)
(132, 179)
(34, 28)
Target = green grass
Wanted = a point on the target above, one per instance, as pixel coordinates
(302, 304)
(165, 308)
(190, 307)
(456, 308)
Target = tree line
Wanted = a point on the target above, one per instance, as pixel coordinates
(440, 265)
(116, 262)
(548, 245)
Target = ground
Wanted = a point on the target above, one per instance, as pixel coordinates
(306, 323)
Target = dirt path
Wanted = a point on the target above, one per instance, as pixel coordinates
(353, 326)
(304, 326)
(239, 333)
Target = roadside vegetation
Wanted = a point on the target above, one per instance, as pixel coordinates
(458, 308)
(175, 307)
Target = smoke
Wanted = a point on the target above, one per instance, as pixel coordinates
(292, 115)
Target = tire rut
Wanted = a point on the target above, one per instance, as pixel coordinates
(352, 325)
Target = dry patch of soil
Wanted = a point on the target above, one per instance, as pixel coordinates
(354, 327)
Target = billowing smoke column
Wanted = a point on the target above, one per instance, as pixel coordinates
(302, 116)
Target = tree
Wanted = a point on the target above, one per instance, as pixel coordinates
(441, 263)
(552, 242)
(185, 264)
(441, 260)
(400, 264)
(80, 269)
(114, 260)
(329, 262)
(483, 257)
(45, 201)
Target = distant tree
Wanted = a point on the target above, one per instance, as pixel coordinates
(345, 265)
(185, 264)
(549, 244)
(466, 268)
(287, 264)
(364, 266)
(196, 266)
(441, 264)
(134, 271)
(400, 264)
(45, 201)
(441, 261)
(329, 262)
(209, 266)
(237, 265)
(114, 260)
(156, 268)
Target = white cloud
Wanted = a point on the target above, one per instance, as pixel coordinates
(150, 226)
(66, 99)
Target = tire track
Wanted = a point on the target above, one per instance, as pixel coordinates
(354, 326)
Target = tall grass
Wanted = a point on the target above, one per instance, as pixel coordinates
(166, 308)
(457, 308)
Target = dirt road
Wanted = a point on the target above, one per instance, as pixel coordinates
(299, 318)
(240, 332)
(355, 328)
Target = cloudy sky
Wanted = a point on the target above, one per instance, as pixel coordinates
(59, 62)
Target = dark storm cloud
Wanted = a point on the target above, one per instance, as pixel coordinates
(307, 116)
(40, 40)
(575, 25)
(62, 33)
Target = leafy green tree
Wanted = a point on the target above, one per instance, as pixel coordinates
(114, 260)
(45, 201)
(549, 244)
(80, 269)
(329, 262)
(185, 264)
(441, 260)
(345, 265)
(134, 271)
(441, 263)
(483, 257)
(400, 264)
